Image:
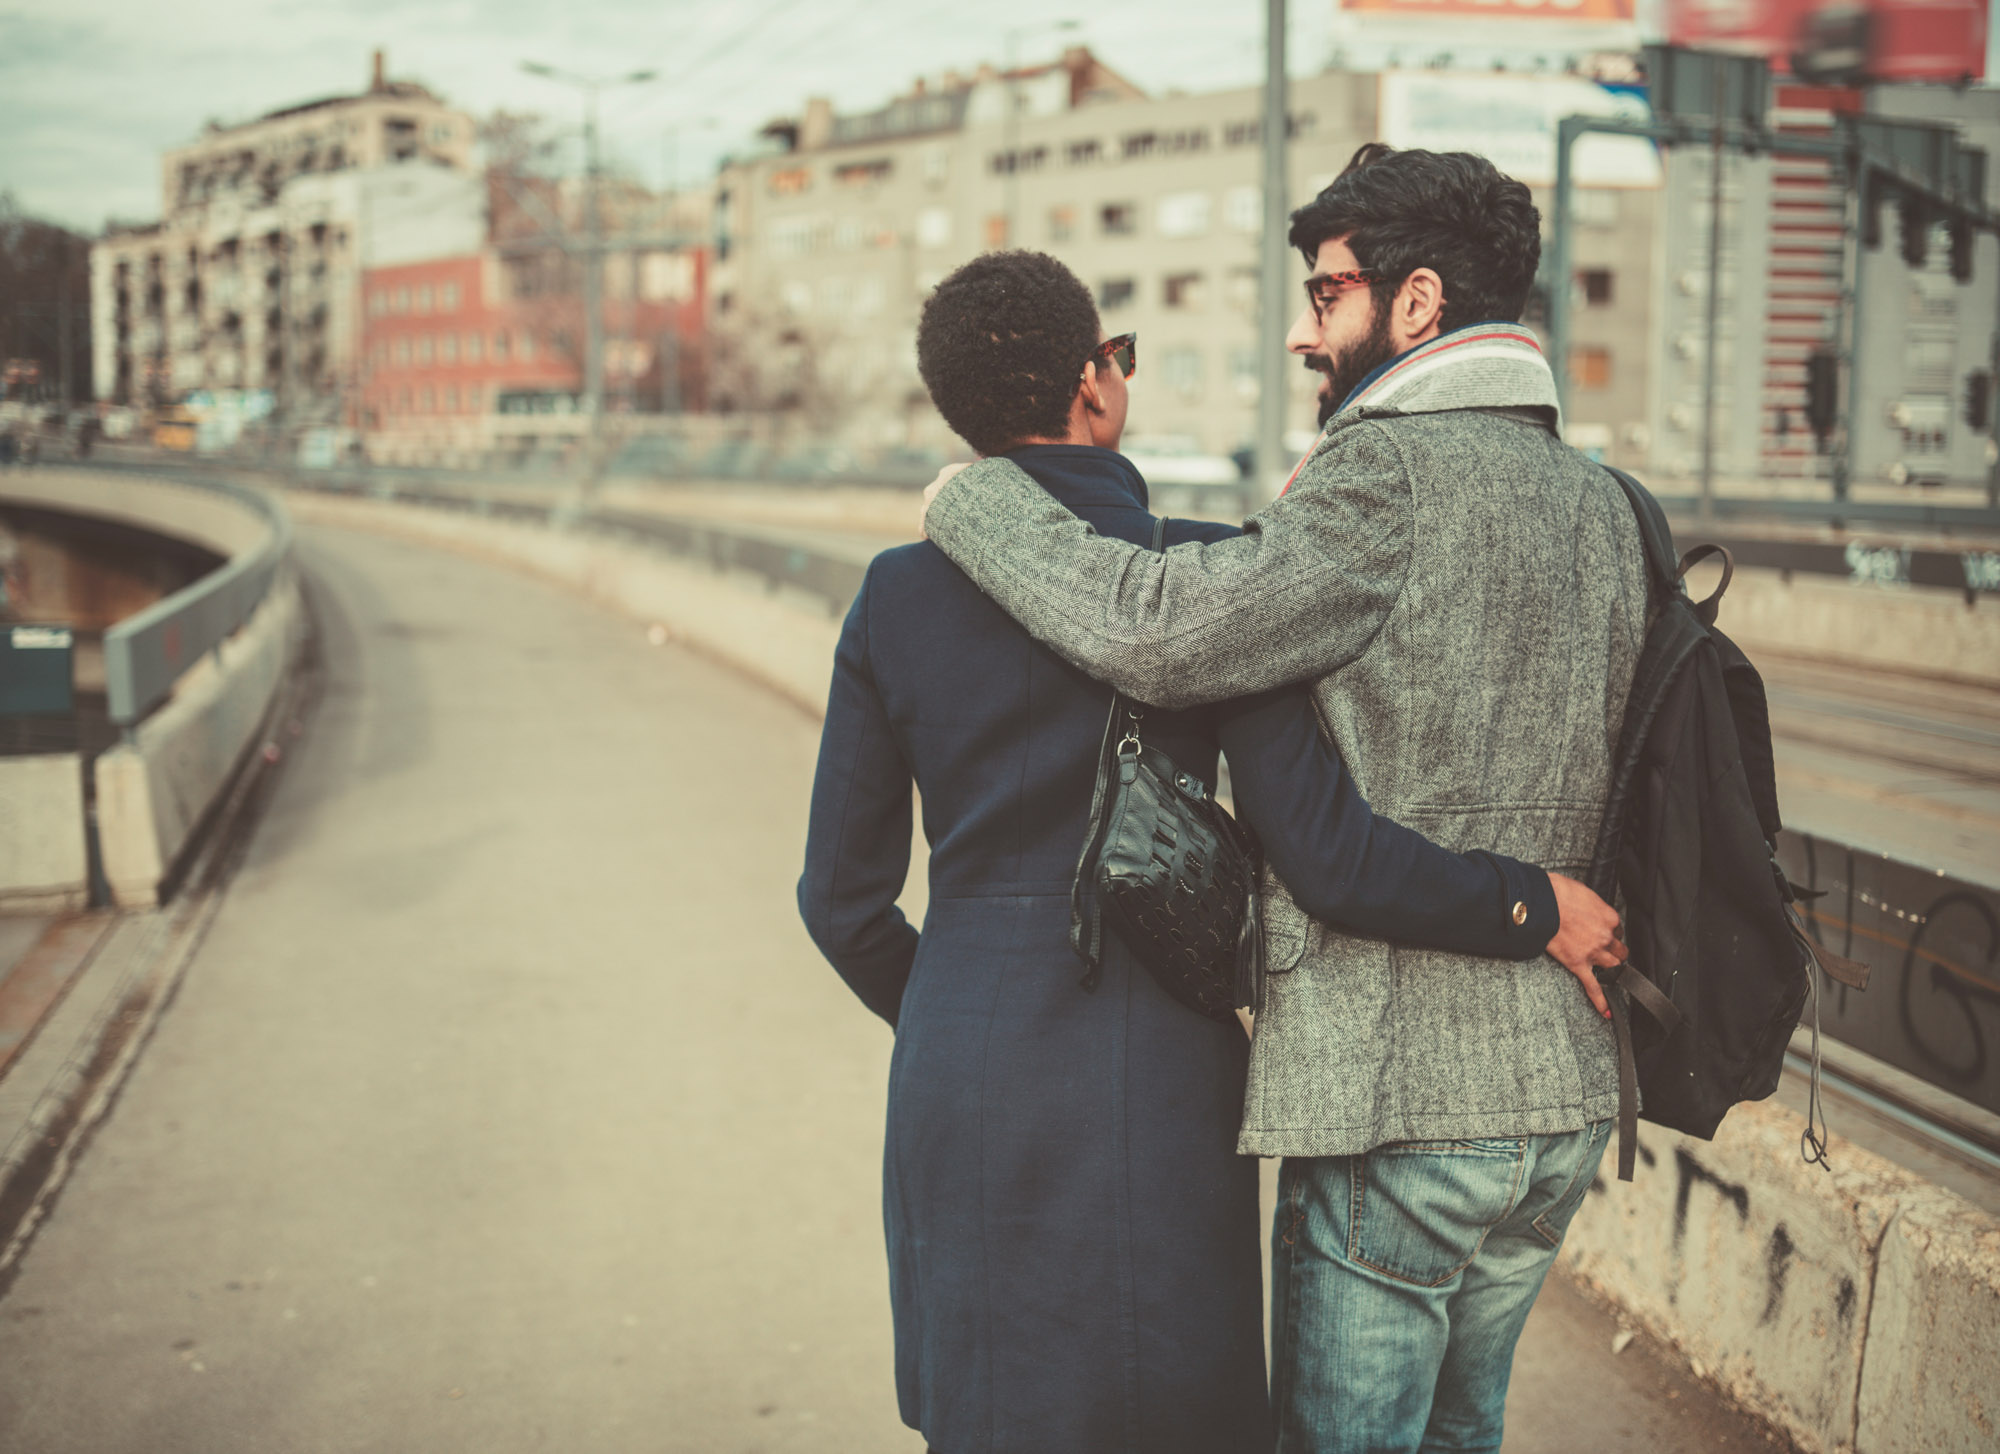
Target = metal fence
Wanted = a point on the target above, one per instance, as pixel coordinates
(144, 655)
(1932, 1007)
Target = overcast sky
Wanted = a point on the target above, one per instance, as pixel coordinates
(91, 91)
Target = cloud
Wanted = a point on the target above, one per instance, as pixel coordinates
(89, 98)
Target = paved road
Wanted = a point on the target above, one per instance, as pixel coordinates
(506, 1107)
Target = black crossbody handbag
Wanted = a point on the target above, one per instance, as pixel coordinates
(1175, 872)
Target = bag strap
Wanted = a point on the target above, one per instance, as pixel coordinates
(1086, 915)
(1658, 537)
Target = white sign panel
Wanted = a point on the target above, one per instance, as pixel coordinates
(1511, 120)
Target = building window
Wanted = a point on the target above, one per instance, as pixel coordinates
(424, 298)
(1243, 372)
(403, 351)
(430, 400)
(500, 348)
(1181, 368)
(448, 298)
(473, 395)
(1083, 153)
(423, 349)
(405, 401)
(1183, 290)
(378, 303)
(1243, 209)
(1590, 367)
(472, 347)
(936, 165)
(1183, 214)
(1115, 293)
(1596, 285)
(934, 227)
(1118, 219)
(996, 231)
(448, 348)
(860, 174)
(451, 401)
(402, 300)
(1062, 224)
(790, 182)
(525, 346)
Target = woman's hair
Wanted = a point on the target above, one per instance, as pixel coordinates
(1452, 212)
(1002, 344)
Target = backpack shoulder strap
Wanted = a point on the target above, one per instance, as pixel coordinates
(1661, 563)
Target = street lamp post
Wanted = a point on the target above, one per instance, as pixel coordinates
(593, 250)
(1011, 179)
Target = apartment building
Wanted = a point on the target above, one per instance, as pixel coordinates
(832, 237)
(469, 354)
(1926, 340)
(250, 280)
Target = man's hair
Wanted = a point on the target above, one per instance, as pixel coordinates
(1451, 212)
(1002, 344)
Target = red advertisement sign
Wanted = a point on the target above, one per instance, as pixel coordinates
(1886, 40)
(1615, 10)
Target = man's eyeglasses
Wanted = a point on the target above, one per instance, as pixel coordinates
(1122, 350)
(1323, 288)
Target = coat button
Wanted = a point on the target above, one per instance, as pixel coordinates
(1520, 913)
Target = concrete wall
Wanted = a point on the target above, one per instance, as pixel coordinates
(781, 638)
(155, 789)
(43, 866)
(1912, 629)
(1857, 1309)
(163, 506)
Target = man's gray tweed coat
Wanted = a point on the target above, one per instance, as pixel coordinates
(1467, 596)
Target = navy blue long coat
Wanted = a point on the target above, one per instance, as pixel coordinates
(1074, 1258)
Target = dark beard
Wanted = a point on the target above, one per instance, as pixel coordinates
(1354, 363)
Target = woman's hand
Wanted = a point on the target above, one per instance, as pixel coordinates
(1587, 936)
(931, 493)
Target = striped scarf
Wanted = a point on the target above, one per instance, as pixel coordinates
(1483, 366)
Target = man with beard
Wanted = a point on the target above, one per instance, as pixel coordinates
(1466, 596)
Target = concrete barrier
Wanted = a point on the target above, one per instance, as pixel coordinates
(155, 789)
(783, 639)
(1914, 629)
(44, 867)
(1857, 1310)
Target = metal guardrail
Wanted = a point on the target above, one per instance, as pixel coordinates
(1932, 1007)
(145, 654)
(1860, 561)
(1838, 514)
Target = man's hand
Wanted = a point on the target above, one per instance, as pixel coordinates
(1587, 936)
(931, 493)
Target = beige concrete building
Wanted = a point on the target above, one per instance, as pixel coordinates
(828, 242)
(250, 279)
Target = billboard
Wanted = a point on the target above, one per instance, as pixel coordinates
(1511, 121)
(1842, 40)
(1611, 10)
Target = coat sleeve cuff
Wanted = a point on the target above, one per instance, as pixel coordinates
(1527, 906)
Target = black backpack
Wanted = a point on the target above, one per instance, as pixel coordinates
(1720, 961)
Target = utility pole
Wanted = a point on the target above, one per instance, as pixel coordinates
(1714, 300)
(593, 252)
(1273, 297)
(63, 328)
(1011, 178)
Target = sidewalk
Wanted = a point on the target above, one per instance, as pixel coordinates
(505, 1105)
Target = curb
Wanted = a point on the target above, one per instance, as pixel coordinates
(133, 978)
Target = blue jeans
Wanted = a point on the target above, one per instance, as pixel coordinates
(1400, 1280)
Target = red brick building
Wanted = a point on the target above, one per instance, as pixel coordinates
(465, 355)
